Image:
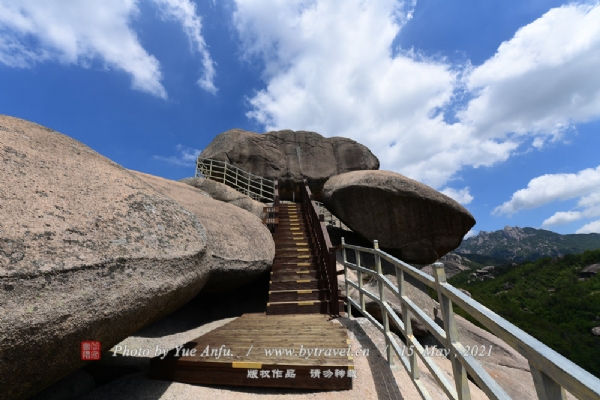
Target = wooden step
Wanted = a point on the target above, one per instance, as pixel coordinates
(298, 284)
(289, 236)
(290, 266)
(287, 276)
(297, 295)
(298, 307)
(257, 332)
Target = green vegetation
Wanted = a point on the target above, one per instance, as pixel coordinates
(547, 299)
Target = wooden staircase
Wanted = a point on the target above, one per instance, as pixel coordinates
(298, 283)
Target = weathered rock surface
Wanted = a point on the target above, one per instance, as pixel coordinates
(239, 247)
(220, 191)
(289, 156)
(453, 264)
(409, 219)
(88, 251)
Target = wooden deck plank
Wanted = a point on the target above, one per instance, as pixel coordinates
(244, 341)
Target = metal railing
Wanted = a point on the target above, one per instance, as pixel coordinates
(552, 373)
(255, 186)
(331, 219)
(325, 251)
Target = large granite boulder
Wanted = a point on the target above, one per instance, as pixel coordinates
(409, 219)
(88, 251)
(239, 246)
(222, 192)
(289, 156)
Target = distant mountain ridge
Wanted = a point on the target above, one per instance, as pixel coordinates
(514, 244)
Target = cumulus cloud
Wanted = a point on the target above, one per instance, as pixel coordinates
(562, 217)
(78, 32)
(542, 81)
(583, 185)
(329, 66)
(462, 196)
(186, 158)
(74, 32)
(554, 187)
(184, 12)
(471, 233)
(592, 227)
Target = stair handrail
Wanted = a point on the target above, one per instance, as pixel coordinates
(252, 185)
(323, 242)
(276, 193)
(331, 218)
(552, 373)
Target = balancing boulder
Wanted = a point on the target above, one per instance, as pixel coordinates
(409, 219)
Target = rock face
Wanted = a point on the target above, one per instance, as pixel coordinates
(289, 156)
(88, 251)
(220, 191)
(453, 264)
(239, 247)
(409, 219)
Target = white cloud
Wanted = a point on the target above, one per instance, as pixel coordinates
(329, 66)
(77, 32)
(543, 80)
(184, 11)
(562, 217)
(553, 187)
(592, 227)
(471, 233)
(462, 196)
(74, 32)
(187, 156)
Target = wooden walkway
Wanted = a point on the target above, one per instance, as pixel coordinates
(294, 344)
(298, 283)
(237, 354)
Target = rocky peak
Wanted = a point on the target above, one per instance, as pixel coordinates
(291, 155)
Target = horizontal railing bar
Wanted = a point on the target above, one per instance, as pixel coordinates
(361, 269)
(363, 249)
(567, 374)
(409, 269)
(562, 371)
(245, 182)
(440, 335)
(365, 291)
(367, 315)
(485, 382)
(439, 376)
(430, 324)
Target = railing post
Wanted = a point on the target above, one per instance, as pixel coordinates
(384, 314)
(334, 283)
(225, 173)
(360, 282)
(545, 386)
(249, 180)
(414, 366)
(460, 374)
(349, 306)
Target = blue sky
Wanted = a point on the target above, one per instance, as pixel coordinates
(495, 103)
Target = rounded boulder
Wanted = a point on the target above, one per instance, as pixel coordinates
(411, 221)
